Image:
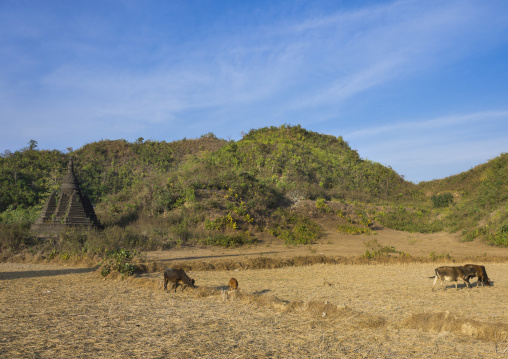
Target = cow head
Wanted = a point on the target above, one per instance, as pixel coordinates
(188, 281)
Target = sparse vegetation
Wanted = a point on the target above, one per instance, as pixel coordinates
(376, 249)
(434, 256)
(155, 195)
(351, 229)
(411, 220)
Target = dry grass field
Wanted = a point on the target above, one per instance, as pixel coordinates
(319, 311)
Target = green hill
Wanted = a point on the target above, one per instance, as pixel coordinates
(480, 201)
(152, 194)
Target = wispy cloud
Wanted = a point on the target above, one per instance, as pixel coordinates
(435, 148)
(314, 62)
(135, 74)
(452, 122)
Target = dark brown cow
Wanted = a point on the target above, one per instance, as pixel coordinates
(481, 273)
(233, 284)
(453, 274)
(177, 276)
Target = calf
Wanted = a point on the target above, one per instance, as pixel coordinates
(177, 276)
(481, 273)
(233, 284)
(453, 274)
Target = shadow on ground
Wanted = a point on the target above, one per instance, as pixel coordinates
(44, 273)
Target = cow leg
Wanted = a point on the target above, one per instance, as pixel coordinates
(174, 286)
(435, 280)
(467, 283)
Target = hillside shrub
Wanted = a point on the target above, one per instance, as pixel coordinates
(442, 200)
(72, 243)
(294, 229)
(184, 186)
(410, 221)
(228, 240)
(500, 237)
(352, 229)
(15, 237)
(471, 235)
(376, 249)
(28, 176)
(322, 206)
(221, 223)
(20, 215)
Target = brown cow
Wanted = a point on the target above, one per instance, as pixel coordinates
(177, 276)
(481, 273)
(453, 274)
(233, 284)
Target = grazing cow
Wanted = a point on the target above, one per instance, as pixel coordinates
(453, 274)
(481, 273)
(177, 276)
(233, 284)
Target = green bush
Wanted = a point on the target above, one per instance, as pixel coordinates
(228, 240)
(410, 221)
(442, 200)
(352, 229)
(294, 229)
(322, 206)
(471, 235)
(500, 237)
(376, 249)
(20, 215)
(118, 260)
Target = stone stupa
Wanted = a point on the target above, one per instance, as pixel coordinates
(71, 208)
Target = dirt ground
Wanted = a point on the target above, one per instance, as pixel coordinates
(334, 244)
(319, 311)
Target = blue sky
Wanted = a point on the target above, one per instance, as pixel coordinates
(421, 86)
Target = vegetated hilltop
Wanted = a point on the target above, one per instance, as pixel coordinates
(152, 194)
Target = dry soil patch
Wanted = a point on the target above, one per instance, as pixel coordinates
(54, 312)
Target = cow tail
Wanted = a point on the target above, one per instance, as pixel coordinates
(435, 275)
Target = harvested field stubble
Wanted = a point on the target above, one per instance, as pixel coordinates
(357, 311)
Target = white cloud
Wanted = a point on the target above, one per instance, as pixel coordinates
(300, 70)
(435, 148)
